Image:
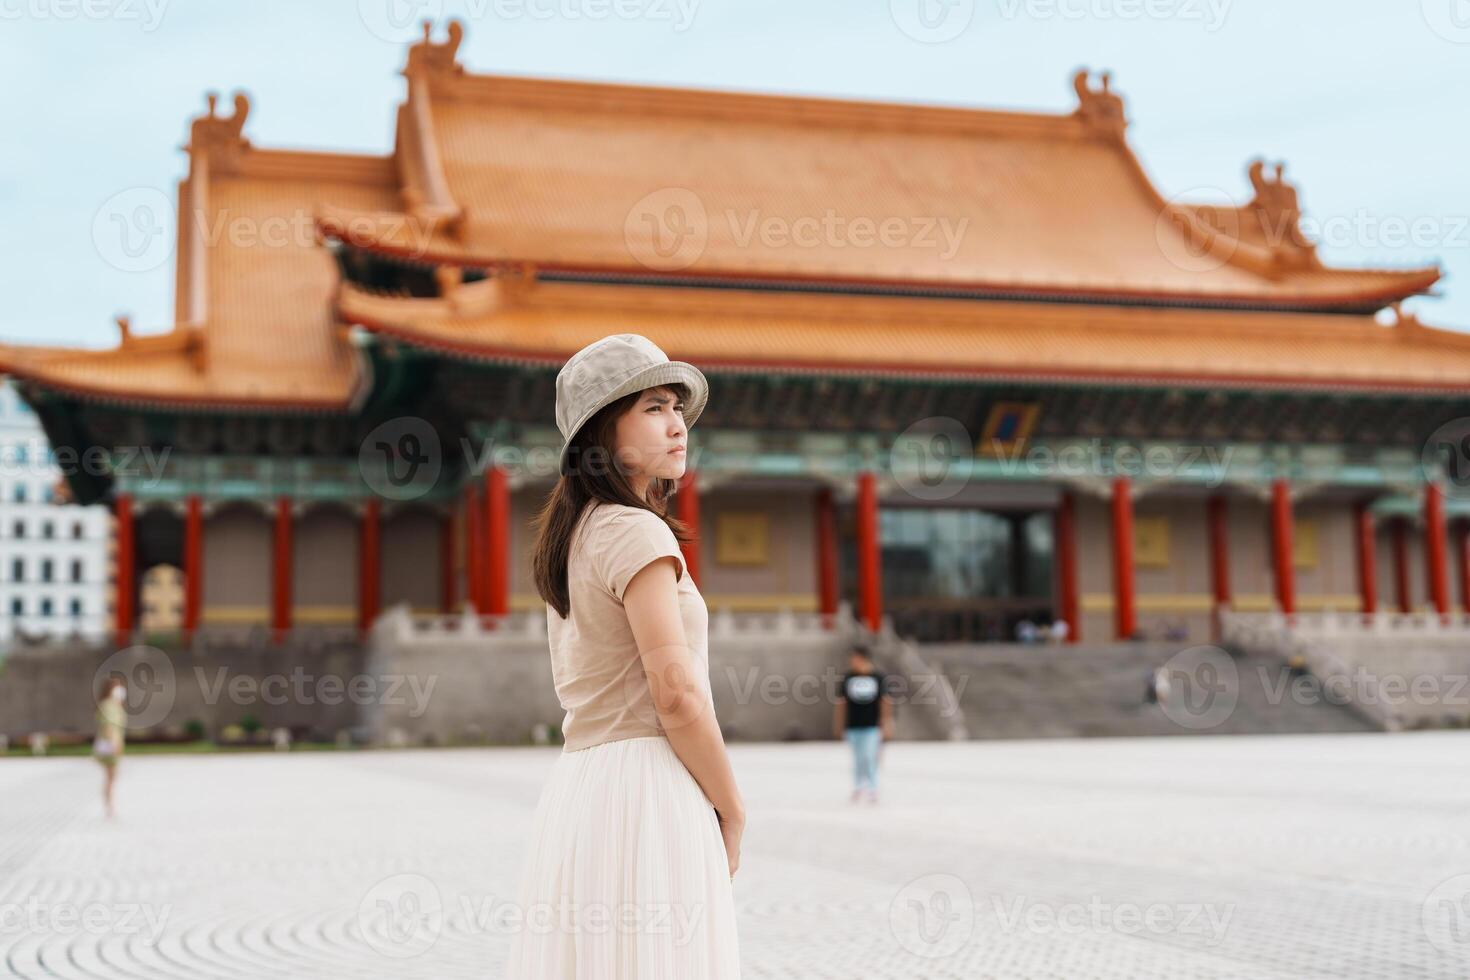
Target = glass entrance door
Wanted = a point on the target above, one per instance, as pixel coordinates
(961, 574)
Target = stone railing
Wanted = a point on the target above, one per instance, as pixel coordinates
(1239, 626)
(211, 637)
(405, 627)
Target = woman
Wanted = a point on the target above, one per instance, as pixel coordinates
(629, 871)
(112, 719)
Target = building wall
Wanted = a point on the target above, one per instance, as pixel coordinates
(65, 605)
(1094, 519)
(788, 574)
(1457, 586)
(524, 505)
(763, 688)
(54, 689)
(1333, 580)
(412, 568)
(1252, 579)
(324, 581)
(237, 565)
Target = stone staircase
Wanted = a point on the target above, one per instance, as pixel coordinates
(1402, 670)
(1014, 691)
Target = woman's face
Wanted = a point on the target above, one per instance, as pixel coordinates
(651, 438)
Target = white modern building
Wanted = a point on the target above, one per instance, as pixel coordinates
(56, 560)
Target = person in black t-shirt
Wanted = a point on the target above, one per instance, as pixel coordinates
(864, 716)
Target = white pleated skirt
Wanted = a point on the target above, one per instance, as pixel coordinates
(625, 876)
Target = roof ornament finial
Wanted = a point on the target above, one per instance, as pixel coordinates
(1277, 208)
(432, 57)
(1101, 109)
(1403, 319)
(124, 328)
(216, 134)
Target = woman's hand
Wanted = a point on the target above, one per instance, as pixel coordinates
(732, 828)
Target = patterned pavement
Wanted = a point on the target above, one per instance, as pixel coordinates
(1262, 857)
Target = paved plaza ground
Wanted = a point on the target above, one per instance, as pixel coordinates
(1216, 856)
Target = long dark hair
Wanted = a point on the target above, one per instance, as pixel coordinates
(594, 474)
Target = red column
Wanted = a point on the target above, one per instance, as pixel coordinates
(1462, 560)
(1125, 617)
(1434, 548)
(870, 585)
(1367, 564)
(1281, 532)
(686, 509)
(369, 564)
(826, 521)
(446, 563)
(1217, 513)
(1065, 531)
(496, 572)
(1401, 563)
(474, 589)
(193, 563)
(281, 579)
(126, 560)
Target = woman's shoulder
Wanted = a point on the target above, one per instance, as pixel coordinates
(613, 525)
(606, 513)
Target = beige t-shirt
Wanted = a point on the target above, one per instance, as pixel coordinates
(594, 658)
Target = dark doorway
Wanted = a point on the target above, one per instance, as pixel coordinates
(959, 574)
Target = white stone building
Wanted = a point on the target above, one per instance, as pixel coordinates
(56, 560)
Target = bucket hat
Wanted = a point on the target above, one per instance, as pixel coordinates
(607, 369)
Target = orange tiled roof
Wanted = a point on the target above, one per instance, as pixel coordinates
(254, 318)
(530, 172)
(517, 320)
(618, 178)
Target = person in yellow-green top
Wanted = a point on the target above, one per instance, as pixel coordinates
(112, 720)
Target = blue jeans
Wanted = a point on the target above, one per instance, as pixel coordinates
(864, 742)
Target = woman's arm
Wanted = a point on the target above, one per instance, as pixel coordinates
(839, 716)
(680, 689)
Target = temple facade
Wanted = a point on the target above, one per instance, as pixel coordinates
(968, 369)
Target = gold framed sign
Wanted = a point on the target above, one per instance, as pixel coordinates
(742, 537)
(1007, 429)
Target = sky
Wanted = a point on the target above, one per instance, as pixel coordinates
(1365, 100)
